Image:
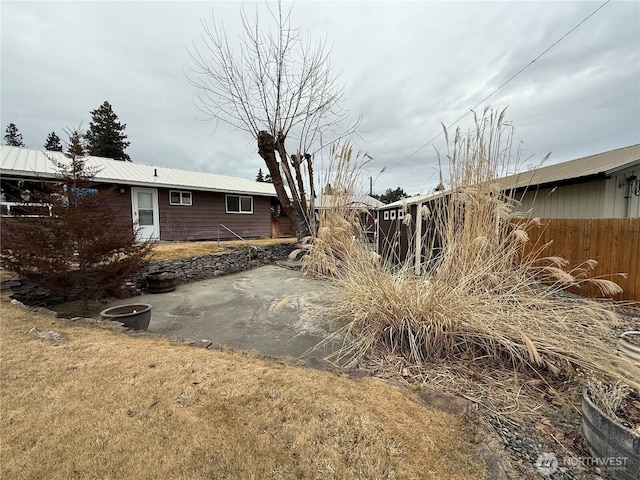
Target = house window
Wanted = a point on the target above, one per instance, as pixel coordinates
(393, 215)
(14, 209)
(176, 197)
(386, 214)
(400, 214)
(239, 204)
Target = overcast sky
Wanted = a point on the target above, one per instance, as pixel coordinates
(407, 68)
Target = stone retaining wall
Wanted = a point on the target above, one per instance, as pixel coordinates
(217, 264)
(188, 270)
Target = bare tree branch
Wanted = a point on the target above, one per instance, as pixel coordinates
(278, 88)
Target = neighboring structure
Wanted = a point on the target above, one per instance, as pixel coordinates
(606, 185)
(166, 203)
(398, 229)
(366, 204)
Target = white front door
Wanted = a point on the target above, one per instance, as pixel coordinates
(144, 203)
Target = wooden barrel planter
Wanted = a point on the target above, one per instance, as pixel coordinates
(615, 448)
(162, 282)
(629, 346)
(134, 315)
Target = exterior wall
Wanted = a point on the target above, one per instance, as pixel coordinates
(610, 198)
(584, 200)
(202, 219)
(620, 201)
(121, 202)
(282, 226)
(199, 221)
(394, 235)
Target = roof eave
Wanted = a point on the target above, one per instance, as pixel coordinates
(53, 176)
(559, 183)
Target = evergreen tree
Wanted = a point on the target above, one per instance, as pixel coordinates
(105, 137)
(260, 177)
(53, 143)
(12, 137)
(77, 144)
(390, 196)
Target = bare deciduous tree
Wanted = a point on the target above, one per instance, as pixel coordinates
(279, 88)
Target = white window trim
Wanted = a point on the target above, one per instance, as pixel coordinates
(8, 206)
(392, 215)
(386, 215)
(400, 214)
(240, 197)
(180, 192)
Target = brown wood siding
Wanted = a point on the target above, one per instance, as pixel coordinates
(121, 202)
(282, 227)
(202, 219)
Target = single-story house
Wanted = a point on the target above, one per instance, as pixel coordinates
(166, 203)
(605, 185)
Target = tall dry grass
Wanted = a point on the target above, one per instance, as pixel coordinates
(339, 232)
(478, 300)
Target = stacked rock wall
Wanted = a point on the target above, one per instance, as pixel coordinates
(188, 270)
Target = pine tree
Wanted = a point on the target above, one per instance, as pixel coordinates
(105, 137)
(53, 143)
(260, 177)
(12, 137)
(77, 144)
(390, 196)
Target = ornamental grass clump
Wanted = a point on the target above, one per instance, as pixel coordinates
(339, 230)
(479, 297)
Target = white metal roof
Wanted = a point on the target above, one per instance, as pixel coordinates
(412, 200)
(27, 163)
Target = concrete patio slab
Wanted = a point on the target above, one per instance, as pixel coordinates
(235, 311)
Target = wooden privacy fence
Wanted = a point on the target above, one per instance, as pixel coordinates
(614, 243)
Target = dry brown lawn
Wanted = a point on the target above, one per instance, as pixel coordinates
(174, 250)
(106, 405)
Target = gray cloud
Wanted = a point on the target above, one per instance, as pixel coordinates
(407, 67)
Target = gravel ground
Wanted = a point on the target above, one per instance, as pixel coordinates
(545, 444)
(556, 434)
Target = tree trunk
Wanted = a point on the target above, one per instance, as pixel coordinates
(293, 209)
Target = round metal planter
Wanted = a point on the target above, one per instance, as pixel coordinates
(615, 448)
(629, 346)
(135, 315)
